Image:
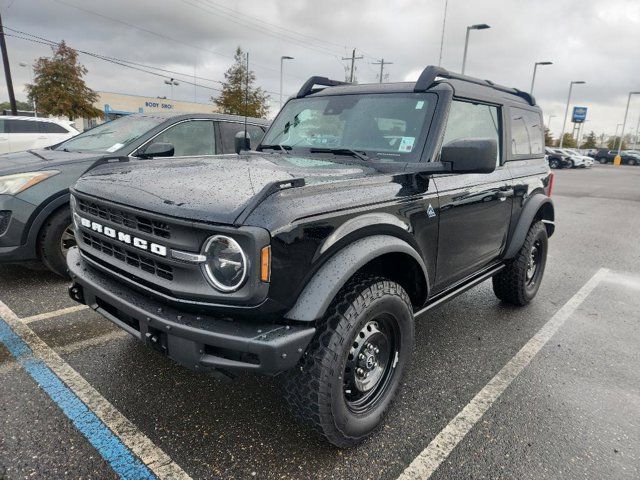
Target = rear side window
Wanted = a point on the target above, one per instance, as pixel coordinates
(527, 133)
(48, 127)
(473, 120)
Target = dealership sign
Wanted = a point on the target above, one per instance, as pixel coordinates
(579, 114)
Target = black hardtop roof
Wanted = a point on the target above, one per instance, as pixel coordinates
(431, 77)
(213, 116)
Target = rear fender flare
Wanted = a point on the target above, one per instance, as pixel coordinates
(537, 203)
(334, 274)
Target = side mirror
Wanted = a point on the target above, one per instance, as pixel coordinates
(157, 150)
(241, 142)
(471, 155)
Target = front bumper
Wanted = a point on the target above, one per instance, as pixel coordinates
(200, 342)
(14, 247)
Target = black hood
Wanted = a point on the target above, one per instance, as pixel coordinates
(40, 159)
(211, 189)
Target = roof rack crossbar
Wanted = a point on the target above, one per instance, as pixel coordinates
(307, 88)
(429, 75)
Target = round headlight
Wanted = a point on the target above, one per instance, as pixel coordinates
(226, 264)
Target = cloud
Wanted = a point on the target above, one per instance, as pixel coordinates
(587, 40)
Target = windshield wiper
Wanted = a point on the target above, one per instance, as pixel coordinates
(275, 146)
(342, 151)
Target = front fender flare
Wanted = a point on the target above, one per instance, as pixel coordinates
(527, 216)
(334, 274)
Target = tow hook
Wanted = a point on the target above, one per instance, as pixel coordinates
(76, 293)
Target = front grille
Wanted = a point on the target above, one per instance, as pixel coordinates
(5, 216)
(120, 217)
(136, 260)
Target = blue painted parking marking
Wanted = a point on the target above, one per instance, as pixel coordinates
(119, 457)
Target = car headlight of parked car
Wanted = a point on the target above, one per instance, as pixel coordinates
(19, 182)
(226, 263)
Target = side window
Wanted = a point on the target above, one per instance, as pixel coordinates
(473, 120)
(48, 127)
(228, 131)
(21, 126)
(190, 138)
(527, 134)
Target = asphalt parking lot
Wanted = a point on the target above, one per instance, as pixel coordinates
(567, 404)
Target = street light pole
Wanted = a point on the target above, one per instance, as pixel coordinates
(566, 112)
(171, 82)
(282, 59)
(478, 26)
(535, 67)
(35, 108)
(618, 160)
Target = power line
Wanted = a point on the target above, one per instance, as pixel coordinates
(160, 35)
(123, 62)
(233, 17)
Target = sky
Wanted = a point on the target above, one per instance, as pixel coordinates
(595, 41)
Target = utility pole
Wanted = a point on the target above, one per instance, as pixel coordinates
(382, 63)
(7, 70)
(353, 59)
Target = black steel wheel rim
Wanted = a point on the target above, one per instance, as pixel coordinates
(534, 264)
(67, 240)
(371, 363)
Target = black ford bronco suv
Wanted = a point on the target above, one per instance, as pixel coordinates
(363, 207)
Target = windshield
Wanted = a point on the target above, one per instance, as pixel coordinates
(382, 126)
(571, 152)
(111, 136)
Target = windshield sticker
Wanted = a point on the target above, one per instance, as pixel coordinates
(406, 144)
(115, 147)
(419, 104)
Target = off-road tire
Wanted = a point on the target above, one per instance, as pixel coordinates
(49, 242)
(511, 284)
(314, 389)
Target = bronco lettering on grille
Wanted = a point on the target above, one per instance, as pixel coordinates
(126, 238)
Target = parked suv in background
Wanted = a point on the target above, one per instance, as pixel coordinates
(576, 159)
(364, 207)
(556, 158)
(23, 133)
(605, 155)
(35, 222)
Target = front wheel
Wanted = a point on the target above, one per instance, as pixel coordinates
(352, 369)
(55, 240)
(603, 161)
(553, 163)
(520, 280)
(632, 161)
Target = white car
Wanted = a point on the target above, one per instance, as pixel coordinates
(25, 133)
(577, 159)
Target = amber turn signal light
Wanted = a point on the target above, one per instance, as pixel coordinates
(265, 264)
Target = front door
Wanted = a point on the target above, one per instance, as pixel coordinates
(475, 209)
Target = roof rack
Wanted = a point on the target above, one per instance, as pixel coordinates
(429, 75)
(308, 89)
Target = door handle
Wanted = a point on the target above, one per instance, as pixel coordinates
(504, 194)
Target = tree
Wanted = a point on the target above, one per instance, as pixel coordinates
(58, 87)
(22, 106)
(232, 99)
(613, 142)
(591, 141)
(568, 142)
(548, 137)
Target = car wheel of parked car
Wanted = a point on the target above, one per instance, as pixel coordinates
(603, 161)
(55, 239)
(572, 164)
(632, 161)
(553, 163)
(520, 280)
(352, 369)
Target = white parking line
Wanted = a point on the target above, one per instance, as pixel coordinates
(423, 466)
(55, 313)
(140, 445)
